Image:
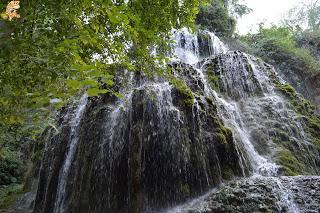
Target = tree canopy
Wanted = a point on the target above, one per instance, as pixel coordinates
(59, 47)
(220, 16)
(304, 16)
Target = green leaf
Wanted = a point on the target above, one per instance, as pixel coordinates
(74, 84)
(95, 92)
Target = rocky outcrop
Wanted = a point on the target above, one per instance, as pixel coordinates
(171, 139)
(315, 85)
(263, 194)
(275, 117)
(149, 151)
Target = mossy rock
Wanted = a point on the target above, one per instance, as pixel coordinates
(305, 109)
(9, 194)
(214, 81)
(210, 101)
(227, 173)
(287, 89)
(290, 164)
(184, 91)
(222, 139)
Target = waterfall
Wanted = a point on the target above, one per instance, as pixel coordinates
(187, 50)
(167, 142)
(241, 85)
(190, 48)
(216, 46)
(73, 140)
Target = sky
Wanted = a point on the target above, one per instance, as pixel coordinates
(269, 11)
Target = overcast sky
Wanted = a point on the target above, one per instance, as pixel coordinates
(269, 11)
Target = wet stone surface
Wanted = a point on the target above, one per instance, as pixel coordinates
(263, 194)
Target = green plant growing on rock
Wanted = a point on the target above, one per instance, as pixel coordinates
(213, 81)
(304, 108)
(223, 133)
(210, 100)
(184, 91)
(227, 173)
(9, 193)
(291, 165)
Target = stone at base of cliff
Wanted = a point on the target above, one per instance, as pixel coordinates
(263, 194)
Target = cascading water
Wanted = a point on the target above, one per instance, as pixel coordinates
(187, 51)
(165, 143)
(249, 93)
(190, 48)
(129, 153)
(63, 177)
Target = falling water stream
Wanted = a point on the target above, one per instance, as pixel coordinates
(229, 111)
(73, 140)
(239, 110)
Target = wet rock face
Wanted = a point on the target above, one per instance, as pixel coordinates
(145, 153)
(263, 194)
(167, 142)
(305, 83)
(235, 75)
(315, 85)
(275, 128)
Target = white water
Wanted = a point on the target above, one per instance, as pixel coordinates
(228, 110)
(184, 207)
(231, 114)
(73, 142)
(217, 46)
(186, 48)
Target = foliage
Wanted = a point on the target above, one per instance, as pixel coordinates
(15, 143)
(220, 16)
(278, 45)
(8, 194)
(238, 8)
(291, 165)
(11, 167)
(215, 17)
(304, 16)
(184, 90)
(310, 40)
(59, 48)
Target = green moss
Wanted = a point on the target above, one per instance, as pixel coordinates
(289, 162)
(213, 81)
(223, 133)
(209, 100)
(222, 138)
(9, 194)
(227, 173)
(305, 109)
(286, 89)
(184, 90)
